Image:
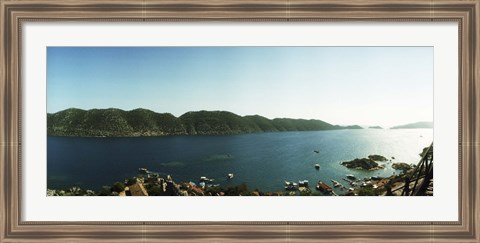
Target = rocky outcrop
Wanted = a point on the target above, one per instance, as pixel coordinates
(362, 164)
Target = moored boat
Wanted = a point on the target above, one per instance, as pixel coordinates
(351, 177)
(336, 183)
(205, 179)
(317, 166)
(303, 183)
(323, 187)
(291, 186)
(143, 170)
(230, 176)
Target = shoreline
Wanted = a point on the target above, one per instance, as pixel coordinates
(152, 184)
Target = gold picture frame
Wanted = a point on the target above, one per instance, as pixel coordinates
(13, 13)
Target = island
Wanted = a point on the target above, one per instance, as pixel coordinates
(375, 127)
(368, 163)
(142, 122)
(401, 166)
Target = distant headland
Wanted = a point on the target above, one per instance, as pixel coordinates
(424, 124)
(114, 122)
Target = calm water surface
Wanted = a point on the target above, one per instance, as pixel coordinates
(262, 160)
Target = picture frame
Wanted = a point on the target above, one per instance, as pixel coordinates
(14, 13)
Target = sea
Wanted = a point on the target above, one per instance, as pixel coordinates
(263, 161)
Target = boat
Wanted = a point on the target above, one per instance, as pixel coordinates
(230, 176)
(336, 183)
(291, 186)
(321, 186)
(303, 183)
(317, 166)
(143, 170)
(205, 179)
(376, 178)
(351, 177)
(291, 183)
(316, 151)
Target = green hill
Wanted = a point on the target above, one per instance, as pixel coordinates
(141, 122)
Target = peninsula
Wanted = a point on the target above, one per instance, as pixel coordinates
(424, 124)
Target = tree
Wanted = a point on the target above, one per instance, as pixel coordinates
(118, 187)
(367, 191)
(154, 190)
(131, 181)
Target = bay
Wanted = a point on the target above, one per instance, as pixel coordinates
(261, 160)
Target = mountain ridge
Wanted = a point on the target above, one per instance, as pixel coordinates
(113, 122)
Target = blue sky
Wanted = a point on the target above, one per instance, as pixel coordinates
(341, 85)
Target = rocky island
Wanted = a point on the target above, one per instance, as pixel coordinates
(365, 163)
(401, 166)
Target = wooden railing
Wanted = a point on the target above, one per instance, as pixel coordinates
(421, 176)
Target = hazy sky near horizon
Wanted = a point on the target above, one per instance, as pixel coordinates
(383, 86)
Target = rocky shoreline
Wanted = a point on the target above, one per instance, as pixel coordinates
(150, 184)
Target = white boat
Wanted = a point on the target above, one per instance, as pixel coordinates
(317, 166)
(143, 170)
(291, 186)
(230, 176)
(205, 179)
(336, 183)
(303, 183)
(291, 183)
